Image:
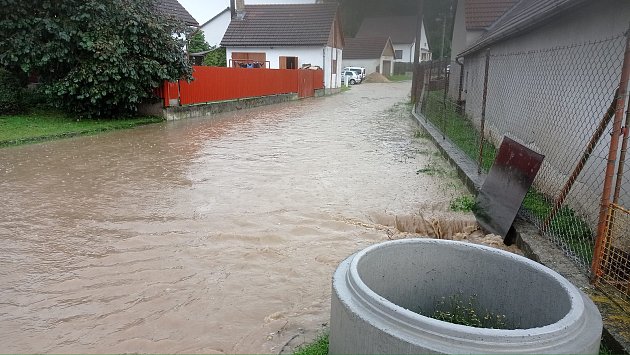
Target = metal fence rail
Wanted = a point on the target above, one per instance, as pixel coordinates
(567, 103)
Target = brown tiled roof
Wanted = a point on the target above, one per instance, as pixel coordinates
(401, 29)
(282, 25)
(365, 47)
(175, 9)
(523, 17)
(480, 14)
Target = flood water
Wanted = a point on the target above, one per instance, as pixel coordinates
(212, 235)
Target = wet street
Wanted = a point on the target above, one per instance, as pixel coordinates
(211, 235)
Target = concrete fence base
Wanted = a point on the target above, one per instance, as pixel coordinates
(183, 112)
(379, 292)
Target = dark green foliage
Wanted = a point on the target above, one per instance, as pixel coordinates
(216, 58)
(10, 93)
(354, 11)
(197, 43)
(95, 57)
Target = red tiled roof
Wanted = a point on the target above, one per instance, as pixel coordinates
(401, 29)
(282, 25)
(365, 48)
(480, 14)
(175, 9)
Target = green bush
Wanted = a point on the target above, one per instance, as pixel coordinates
(97, 58)
(10, 93)
(215, 58)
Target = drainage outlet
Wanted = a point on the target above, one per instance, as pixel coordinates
(384, 296)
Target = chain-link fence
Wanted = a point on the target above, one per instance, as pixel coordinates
(562, 102)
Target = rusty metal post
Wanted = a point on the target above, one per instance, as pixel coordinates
(610, 165)
(483, 113)
(599, 132)
(622, 157)
(416, 54)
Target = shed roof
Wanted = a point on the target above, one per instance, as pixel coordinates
(401, 29)
(282, 25)
(480, 14)
(365, 47)
(523, 17)
(175, 9)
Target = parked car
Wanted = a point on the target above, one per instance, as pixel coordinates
(353, 77)
(359, 70)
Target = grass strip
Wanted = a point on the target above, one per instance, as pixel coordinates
(318, 347)
(50, 125)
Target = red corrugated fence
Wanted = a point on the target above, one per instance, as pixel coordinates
(218, 84)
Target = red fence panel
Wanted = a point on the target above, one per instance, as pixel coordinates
(219, 83)
(305, 85)
(318, 79)
(212, 84)
(170, 91)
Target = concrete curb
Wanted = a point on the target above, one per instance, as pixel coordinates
(536, 247)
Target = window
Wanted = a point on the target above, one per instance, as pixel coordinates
(398, 54)
(288, 62)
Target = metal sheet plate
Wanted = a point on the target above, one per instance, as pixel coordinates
(504, 189)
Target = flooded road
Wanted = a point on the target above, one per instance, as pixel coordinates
(209, 235)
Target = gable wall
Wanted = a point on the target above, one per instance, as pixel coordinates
(214, 31)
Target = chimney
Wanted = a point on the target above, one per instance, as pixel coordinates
(232, 9)
(239, 8)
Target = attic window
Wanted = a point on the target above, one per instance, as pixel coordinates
(398, 54)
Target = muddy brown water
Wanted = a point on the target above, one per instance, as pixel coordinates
(209, 235)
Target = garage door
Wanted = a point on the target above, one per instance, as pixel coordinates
(387, 67)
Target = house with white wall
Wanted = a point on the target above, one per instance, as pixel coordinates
(215, 28)
(375, 54)
(288, 36)
(402, 31)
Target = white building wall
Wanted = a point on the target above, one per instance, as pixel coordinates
(315, 56)
(543, 99)
(215, 30)
(409, 48)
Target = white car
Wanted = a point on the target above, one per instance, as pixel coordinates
(353, 78)
(359, 70)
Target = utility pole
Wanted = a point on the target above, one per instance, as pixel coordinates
(416, 54)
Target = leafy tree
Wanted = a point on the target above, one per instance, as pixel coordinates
(215, 58)
(95, 57)
(10, 93)
(197, 43)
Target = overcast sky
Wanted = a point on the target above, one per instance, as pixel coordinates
(203, 10)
